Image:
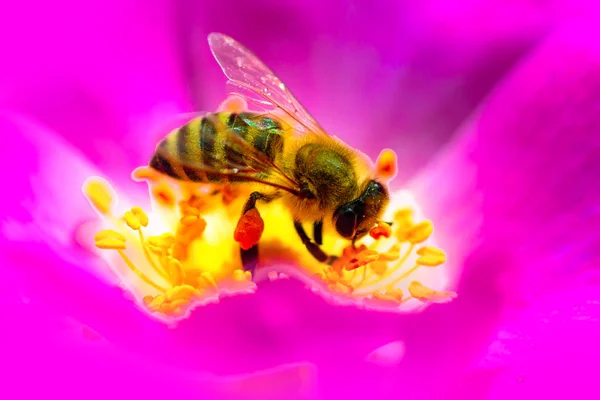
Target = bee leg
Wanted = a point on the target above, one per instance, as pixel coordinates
(250, 256)
(312, 247)
(318, 232)
(254, 197)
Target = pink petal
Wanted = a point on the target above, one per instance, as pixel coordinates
(518, 187)
(550, 349)
(94, 72)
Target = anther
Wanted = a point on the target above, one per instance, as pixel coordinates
(387, 164)
(420, 292)
(110, 244)
(175, 271)
(109, 234)
(140, 215)
(420, 232)
(430, 256)
(145, 173)
(238, 275)
(109, 240)
(131, 221)
(156, 302)
(181, 292)
(99, 193)
(382, 229)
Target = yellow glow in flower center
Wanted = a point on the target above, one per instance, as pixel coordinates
(184, 252)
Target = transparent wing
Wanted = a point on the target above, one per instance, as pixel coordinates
(237, 160)
(253, 80)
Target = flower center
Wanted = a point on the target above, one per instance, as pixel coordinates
(186, 252)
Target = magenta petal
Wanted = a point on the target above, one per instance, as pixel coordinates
(539, 162)
(519, 187)
(94, 72)
(550, 350)
(522, 173)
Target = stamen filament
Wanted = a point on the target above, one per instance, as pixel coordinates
(390, 271)
(148, 256)
(139, 273)
(364, 276)
(408, 272)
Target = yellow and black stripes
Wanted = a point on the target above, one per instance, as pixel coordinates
(209, 149)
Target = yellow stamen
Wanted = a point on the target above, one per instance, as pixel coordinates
(390, 271)
(110, 244)
(157, 302)
(430, 256)
(396, 293)
(177, 303)
(420, 232)
(378, 267)
(167, 239)
(420, 292)
(145, 174)
(387, 165)
(408, 272)
(238, 275)
(403, 216)
(390, 294)
(141, 216)
(139, 273)
(181, 292)
(109, 234)
(235, 104)
(132, 221)
(175, 272)
(155, 267)
(392, 254)
(99, 194)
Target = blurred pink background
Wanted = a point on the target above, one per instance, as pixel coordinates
(491, 106)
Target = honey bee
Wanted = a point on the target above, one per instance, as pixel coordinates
(282, 151)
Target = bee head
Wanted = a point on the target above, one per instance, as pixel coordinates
(354, 219)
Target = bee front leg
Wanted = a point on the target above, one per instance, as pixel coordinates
(318, 232)
(250, 256)
(313, 248)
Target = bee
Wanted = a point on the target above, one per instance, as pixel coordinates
(282, 151)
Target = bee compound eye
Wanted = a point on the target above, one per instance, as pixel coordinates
(345, 223)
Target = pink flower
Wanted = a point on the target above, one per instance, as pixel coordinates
(512, 194)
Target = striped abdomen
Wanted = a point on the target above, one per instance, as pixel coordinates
(205, 145)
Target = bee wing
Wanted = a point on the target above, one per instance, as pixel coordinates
(254, 81)
(238, 161)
